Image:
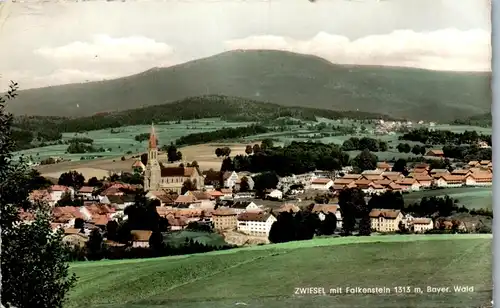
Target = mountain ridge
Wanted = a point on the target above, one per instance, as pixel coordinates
(283, 78)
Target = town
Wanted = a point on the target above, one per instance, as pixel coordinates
(227, 203)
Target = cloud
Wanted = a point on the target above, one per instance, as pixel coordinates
(447, 49)
(105, 48)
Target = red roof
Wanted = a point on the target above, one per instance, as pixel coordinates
(58, 188)
(86, 189)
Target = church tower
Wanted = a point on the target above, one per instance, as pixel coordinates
(152, 175)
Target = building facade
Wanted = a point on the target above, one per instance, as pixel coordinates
(159, 177)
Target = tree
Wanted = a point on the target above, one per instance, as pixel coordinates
(144, 158)
(244, 186)
(352, 204)
(265, 181)
(329, 224)
(366, 160)
(382, 146)
(71, 179)
(365, 228)
(94, 182)
(248, 150)
(33, 258)
(95, 245)
(218, 152)
(188, 185)
(226, 151)
(256, 148)
(227, 165)
(79, 223)
(399, 165)
(266, 144)
(172, 154)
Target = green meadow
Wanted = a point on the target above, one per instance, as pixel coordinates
(470, 197)
(267, 276)
(121, 140)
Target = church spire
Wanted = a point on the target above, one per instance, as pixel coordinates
(152, 137)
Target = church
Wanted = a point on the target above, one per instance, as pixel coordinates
(159, 177)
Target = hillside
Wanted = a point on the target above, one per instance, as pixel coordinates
(484, 120)
(231, 109)
(283, 78)
(267, 276)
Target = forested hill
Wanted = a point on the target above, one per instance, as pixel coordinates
(212, 106)
(284, 78)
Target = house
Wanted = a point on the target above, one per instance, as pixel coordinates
(343, 182)
(435, 153)
(215, 194)
(177, 223)
(450, 181)
(119, 201)
(420, 168)
(275, 194)
(324, 209)
(394, 187)
(212, 178)
(392, 175)
(245, 206)
(86, 192)
(203, 198)
(165, 198)
(255, 223)
(383, 220)
(244, 195)
(227, 193)
(383, 166)
(409, 184)
(184, 201)
(485, 163)
(462, 172)
(138, 166)
(42, 196)
(230, 178)
(288, 208)
(224, 219)
(420, 225)
(57, 191)
(368, 186)
(473, 163)
(479, 179)
(439, 171)
(424, 180)
(372, 177)
(140, 238)
(321, 184)
(352, 176)
(66, 214)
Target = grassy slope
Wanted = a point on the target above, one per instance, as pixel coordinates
(265, 276)
(280, 77)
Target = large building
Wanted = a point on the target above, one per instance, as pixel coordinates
(159, 177)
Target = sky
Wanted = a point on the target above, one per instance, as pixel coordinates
(50, 43)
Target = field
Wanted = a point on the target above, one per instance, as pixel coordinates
(123, 141)
(266, 276)
(471, 197)
(178, 238)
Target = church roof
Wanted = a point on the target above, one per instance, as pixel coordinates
(152, 137)
(177, 171)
